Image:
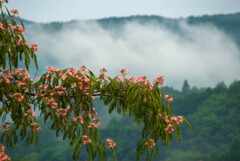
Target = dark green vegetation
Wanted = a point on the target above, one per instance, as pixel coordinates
(212, 112)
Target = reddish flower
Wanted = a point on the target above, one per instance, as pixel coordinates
(123, 72)
(110, 143)
(159, 80)
(168, 98)
(1, 26)
(34, 47)
(19, 42)
(15, 12)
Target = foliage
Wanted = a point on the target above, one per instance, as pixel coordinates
(65, 98)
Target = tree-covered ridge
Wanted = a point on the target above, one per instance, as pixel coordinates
(213, 113)
(229, 23)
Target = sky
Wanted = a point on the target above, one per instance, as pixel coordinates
(62, 10)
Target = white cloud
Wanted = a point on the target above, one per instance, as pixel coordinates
(203, 55)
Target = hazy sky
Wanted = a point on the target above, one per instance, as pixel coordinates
(65, 10)
(203, 54)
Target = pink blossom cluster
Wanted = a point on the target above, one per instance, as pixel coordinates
(15, 12)
(1, 26)
(142, 80)
(78, 119)
(19, 42)
(177, 119)
(29, 113)
(119, 79)
(169, 128)
(102, 74)
(102, 71)
(91, 113)
(18, 97)
(6, 76)
(124, 72)
(23, 79)
(34, 47)
(111, 143)
(131, 79)
(52, 103)
(53, 71)
(59, 90)
(35, 126)
(168, 98)
(18, 28)
(87, 115)
(42, 91)
(86, 139)
(96, 123)
(80, 80)
(150, 143)
(159, 80)
(3, 155)
(63, 112)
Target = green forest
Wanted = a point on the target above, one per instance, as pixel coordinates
(214, 135)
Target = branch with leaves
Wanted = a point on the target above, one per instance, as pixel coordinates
(65, 97)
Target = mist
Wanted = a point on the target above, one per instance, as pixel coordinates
(203, 54)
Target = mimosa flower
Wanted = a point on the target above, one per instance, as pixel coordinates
(34, 47)
(159, 80)
(110, 143)
(168, 98)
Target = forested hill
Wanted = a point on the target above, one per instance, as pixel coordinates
(212, 112)
(229, 23)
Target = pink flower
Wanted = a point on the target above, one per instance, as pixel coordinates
(18, 97)
(159, 80)
(180, 118)
(168, 98)
(19, 42)
(131, 79)
(150, 143)
(119, 79)
(86, 139)
(34, 47)
(13, 11)
(110, 143)
(1, 26)
(18, 28)
(123, 72)
(142, 80)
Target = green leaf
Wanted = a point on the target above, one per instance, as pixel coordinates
(77, 151)
(187, 123)
(75, 141)
(36, 138)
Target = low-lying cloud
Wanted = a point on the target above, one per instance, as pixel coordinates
(203, 54)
